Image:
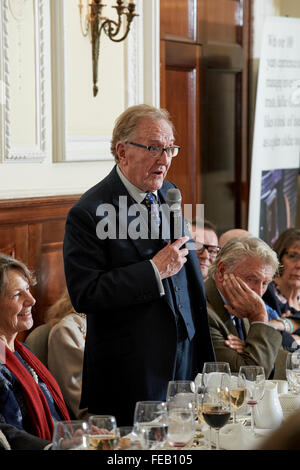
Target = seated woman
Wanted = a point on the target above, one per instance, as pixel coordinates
(30, 398)
(283, 293)
(66, 346)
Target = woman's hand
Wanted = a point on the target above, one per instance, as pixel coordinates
(235, 343)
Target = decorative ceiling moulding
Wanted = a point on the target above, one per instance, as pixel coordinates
(95, 147)
(10, 151)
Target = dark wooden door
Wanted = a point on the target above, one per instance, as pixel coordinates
(204, 81)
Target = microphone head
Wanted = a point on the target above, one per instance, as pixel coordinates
(173, 198)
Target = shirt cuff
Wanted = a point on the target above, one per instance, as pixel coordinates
(159, 281)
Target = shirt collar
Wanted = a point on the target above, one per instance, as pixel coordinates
(134, 192)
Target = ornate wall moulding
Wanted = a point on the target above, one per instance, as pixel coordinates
(68, 148)
(11, 69)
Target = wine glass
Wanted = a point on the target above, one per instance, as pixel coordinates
(238, 394)
(70, 435)
(182, 393)
(103, 432)
(214, 368)
(181, 425)
(210, 374)
(150, 423)
(216, 404)
(293, 371)
(254, 379)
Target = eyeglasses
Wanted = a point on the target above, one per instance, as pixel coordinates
(213, 250)
(292, 256)
(156, 151)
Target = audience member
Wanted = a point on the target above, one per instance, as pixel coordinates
(65, 351)
(233, 233)
(144, 296)
(283, 293)
(206, 240)
(237, 281)
(289, 342)
(30, 397)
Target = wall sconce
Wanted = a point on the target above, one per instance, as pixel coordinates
(95, 23)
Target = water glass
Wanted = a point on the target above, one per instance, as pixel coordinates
(150, 423)
(70, 435)
(181, 426)
(103, 432)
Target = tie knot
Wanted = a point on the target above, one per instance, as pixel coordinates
(150, 199)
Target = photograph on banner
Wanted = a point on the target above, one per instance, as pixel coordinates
(278, 202)
(276, 139)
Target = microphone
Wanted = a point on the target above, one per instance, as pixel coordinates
(173, 199)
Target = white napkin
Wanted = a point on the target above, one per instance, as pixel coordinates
(234, 437)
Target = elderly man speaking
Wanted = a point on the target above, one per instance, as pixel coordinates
(144, 296)
(237, 281)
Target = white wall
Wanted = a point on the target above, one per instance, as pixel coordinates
(86, 116)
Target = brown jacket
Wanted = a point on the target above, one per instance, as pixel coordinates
(262, 344)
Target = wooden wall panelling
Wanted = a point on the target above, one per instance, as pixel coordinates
(178, 19)
(180, 71)
(32, 230)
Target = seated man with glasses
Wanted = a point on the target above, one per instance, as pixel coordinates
(237, 281)
(143, 297)
(206, 241)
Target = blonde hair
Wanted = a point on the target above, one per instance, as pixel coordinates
(60, 309)
(237, 250)
(127, 122)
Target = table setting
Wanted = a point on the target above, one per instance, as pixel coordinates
(216, 411)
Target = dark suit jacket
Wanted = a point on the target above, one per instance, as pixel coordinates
(21, 440)
(131, 330)
(262, 345)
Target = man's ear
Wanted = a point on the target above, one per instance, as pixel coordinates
(221, 269)
(121, 152)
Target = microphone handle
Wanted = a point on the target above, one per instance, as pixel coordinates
(175, 225)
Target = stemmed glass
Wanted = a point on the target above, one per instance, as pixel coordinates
(293, 371)
(210, 375)
(182, 393)
(216, 403)
(103, 432)
(214, 368)
(70, 435)
(238, 394)
(253, 377)
(150, 423)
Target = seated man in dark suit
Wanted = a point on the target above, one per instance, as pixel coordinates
(143, 295)
(237, 281)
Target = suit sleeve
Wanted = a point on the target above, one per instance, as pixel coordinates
(91, 280)
(261, 346)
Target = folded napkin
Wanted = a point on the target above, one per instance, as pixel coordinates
(234, 437)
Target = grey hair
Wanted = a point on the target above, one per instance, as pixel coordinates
(237, 250)
(127, 122)
(6, 264)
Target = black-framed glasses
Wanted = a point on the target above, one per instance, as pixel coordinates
(213, 250)
(292, 256)
(156, 151)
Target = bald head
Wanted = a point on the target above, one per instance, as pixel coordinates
(233, 233)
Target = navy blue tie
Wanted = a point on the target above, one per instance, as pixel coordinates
(239, 327)
(151, 203)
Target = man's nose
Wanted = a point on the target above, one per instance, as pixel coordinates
(163, 158)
